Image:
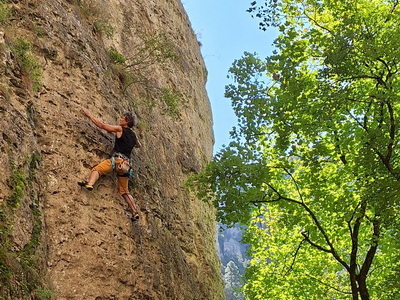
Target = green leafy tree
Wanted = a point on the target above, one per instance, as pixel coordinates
(313, 166)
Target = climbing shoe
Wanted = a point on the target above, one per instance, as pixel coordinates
(85, 185)
(135, 217)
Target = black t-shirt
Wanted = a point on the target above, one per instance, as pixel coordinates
(126, 142)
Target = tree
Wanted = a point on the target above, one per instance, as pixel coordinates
(313, 166)
(232, 281)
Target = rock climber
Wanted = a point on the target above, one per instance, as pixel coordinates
(125, 141)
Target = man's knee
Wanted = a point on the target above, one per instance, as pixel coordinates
(103, 167)
(94, 170)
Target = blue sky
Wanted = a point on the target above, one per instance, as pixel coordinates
(226, 31)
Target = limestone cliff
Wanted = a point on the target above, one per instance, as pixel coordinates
(59, 241)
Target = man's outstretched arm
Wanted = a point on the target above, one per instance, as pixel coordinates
(100, 124)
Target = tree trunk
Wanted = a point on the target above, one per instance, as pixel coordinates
(354, 288)
(362, 287)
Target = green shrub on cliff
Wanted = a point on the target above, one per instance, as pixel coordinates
(172, 100)
(17, 182)
(116, 57)
(156, 49)
(102, 26)
(20, 266)
(29, 65)
(5, 11)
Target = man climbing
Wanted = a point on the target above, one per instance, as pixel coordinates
(125, 141)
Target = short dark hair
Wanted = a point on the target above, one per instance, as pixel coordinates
(130, 118)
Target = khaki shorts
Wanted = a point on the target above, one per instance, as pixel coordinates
(105, 167)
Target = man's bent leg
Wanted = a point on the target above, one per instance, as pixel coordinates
(101, 169)
(124, 191)
(94, 176)
(129, 199)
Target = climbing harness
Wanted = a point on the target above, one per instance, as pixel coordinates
(120, 155)
(123, 168)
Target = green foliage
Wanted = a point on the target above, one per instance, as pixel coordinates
(28, 63)
(93, 14)
(104, 27)
(86, 8)
(44, 294)
(313, 168)
(5, 273)
(33, 164)
(153, 50)
(138, 68)
(18, 184)
(172, 99)
(27, 253)
(116, 57)
(5, 11)
(20, 270)
(156, 49)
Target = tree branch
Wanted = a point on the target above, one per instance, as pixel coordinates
(295, 184)
(378, 79)
(342, 156)
(295, 256)
(351, 219)
(354, 236)
(387, 164)
(362, 125)
(316, 222)
(389, 74)
(317, 24)
(327, 285)
(392, 132)
(325, 235)
(307, 239)
(384, 158)
(372, 250)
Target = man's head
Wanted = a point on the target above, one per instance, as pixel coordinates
(130, 118)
